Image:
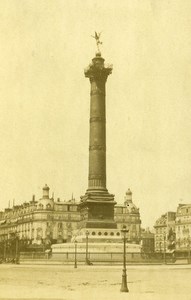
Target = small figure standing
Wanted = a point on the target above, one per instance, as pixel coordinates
(97, 38)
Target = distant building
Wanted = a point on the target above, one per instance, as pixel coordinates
(128, 214)
(183, 227)
(164, 231)
(48, 221)
(147, 241)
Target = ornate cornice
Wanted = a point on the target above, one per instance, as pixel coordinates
(97, 70)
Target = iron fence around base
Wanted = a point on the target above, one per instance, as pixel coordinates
(33, 255)
(98, 257)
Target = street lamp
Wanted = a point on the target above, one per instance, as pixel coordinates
(87, 260)
(188, 250)
(17, 249)
(4, 252)
(164, 250)
(124, 287)
(75, 256)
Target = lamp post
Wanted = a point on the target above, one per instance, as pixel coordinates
(188, 250)
(75, 255)
(161, 252)
(124, 287)
(87, 260)
(5, 248)
(164, 250)
(17, 249)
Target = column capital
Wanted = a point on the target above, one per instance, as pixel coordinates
(97, 70)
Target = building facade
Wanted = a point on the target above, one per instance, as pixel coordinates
(183, 228)
(147, 241)
(164, 231)
(40, 222)
(128, 214)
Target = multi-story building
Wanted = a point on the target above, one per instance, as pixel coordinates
(128, 214)
(164, 231)
(42, 221)
(48, 221)
(183, 228)
(147, 241)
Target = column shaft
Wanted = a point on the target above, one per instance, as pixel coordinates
(97, 138)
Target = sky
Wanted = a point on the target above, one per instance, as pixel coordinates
(44, 99)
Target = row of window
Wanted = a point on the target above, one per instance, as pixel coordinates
(66, 207)
(12, 214)
(127, 219)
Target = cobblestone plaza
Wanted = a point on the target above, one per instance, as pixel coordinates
(93, 282)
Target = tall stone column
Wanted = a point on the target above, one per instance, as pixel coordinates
(97, 74)
(97, 205)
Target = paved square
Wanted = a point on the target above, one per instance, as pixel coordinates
(94, 282)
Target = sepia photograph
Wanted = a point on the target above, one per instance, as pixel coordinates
(95, 143)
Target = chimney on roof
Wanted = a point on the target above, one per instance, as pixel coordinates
(46, 192)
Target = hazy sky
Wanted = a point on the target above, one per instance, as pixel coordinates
(44, 99)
